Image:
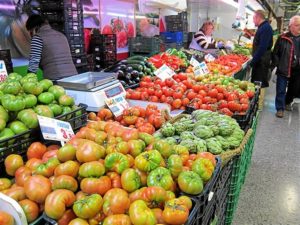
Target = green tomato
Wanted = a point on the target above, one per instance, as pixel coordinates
(116, 162)
(29, 118)
(3, 114)
(161, 177)
(175, 165)
(88, 207)
(140, 214)
(46, 84)
(91, 169)
(12, 87)
(204, 168)
(147, 138)
(66, 153)
(17, 127)
(7, 133)
(190, 182)
(32, 88)
(130, 180)
(44, 110)
(30, 101)
(66, 100)
(148, 161)
(13, 103)
(57, 91)
(46, 98)
(56, 109)
(163, 147)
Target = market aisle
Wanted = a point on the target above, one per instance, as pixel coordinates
(271, 193)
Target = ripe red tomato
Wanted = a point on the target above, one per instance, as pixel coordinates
(203, 93)
(177, 94)
(196, 88)
(195, 105)
(222, 104)
(163, 98)
(190, 94)
(213, 93)
(136, 95)
(244, 106)
(168, 92)
(153, 98)
(169, 100)
(250, 93)
(144, 84)
(151, 91)
(185, 101)
(220, 96)
(232, 97)
(158, 93)
(169, 82)
(226, 111)
(36, 150)
(234, 106)
(143, 96)
(204, 106)
(244, 100)
(177, 103)
(206, 99)
(182, 76)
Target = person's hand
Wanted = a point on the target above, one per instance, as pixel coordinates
(220, 44)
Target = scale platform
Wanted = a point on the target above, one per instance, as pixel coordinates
(92, 88)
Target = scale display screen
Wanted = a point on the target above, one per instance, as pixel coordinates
(113, 91)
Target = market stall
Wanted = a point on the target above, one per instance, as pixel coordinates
(157, 134)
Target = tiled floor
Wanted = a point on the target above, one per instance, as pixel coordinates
(271, 193)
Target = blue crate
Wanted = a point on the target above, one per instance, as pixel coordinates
(172, 37)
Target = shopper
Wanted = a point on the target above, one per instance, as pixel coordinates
(49, 50)
(203, 39)
(286, 57)
(262, 45)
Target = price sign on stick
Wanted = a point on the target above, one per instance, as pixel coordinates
(3, 71)
(201, 69)
(194, 62)
(117, 104)
(164, 72)
(53, 129)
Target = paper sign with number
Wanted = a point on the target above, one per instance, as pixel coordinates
(53, 129)
(164, 72)
(201, 69)
(194, 62)
(117, 104)
(3, 71)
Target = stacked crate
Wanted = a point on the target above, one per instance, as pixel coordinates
(6, 57)
(104, 50)
(176, 23)
(172, 39)
(146, 46)
(67, 16)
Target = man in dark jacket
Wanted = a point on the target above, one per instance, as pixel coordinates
(50, 50)
(262, 45)
(286, 57)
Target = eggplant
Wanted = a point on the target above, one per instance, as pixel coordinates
(137, 80)
(123, 67)
(134, 74)
(129, 69)
(121, 74)
(123, 83)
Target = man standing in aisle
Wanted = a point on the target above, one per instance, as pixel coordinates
(286, 57)
(262, 45)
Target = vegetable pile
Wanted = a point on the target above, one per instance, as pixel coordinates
(172, 61)
(108, 173)
(23, 98)
(145, 120)
(204, 131)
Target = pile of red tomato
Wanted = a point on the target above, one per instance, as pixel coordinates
(107, 173)
(145, 120)
(181, 91)
(172, 61)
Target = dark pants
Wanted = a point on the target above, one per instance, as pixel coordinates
(261, 70)
(293, 90)
(281, 85)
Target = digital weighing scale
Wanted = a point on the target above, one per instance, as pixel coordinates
(92, 88)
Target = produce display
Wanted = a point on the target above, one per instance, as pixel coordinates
(131, 70)
(213, 92)
(203, 131)
(111, 174)
(227, 64)
(145, 120)
(23, 98)
(243, 50)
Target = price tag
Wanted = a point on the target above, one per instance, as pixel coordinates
(3, 71)
(117, 104)
(194, 62)
(164, 72)
(209, 58)
(53, 129)
(201, 70)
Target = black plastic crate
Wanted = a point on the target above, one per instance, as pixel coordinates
(207, 197)
(175, 27)
(144, 45)
(192, 220)
(51, 5)
(79, 59)
(181, 17)
(103, 38)
(5, 55)
(54, 16)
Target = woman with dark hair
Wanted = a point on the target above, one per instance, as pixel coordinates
(203, 39)
(49, 50)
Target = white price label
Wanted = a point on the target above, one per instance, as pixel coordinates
(194, 62)
(117, 104)
(53, 129)
(209, 58)
(3, 71)
(164, 72)
(201, 69)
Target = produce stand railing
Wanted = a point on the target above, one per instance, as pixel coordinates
(240, 168)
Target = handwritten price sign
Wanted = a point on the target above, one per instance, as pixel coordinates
(164, 72)
(117, 104)
(3, 71)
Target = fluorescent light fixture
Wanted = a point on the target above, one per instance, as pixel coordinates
(9, 7)
(236, 5)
